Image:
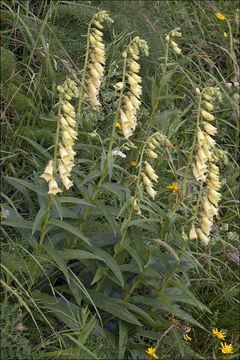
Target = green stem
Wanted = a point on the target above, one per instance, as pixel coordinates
(81, 93)
(160, 87)
(43, 232)
(119, 245)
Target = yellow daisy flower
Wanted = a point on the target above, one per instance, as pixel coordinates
(118, 125)
(174, 187)
(187, 338)
(226, 349)
(225, 34)
(220, 16)
(133, 163)
(151, 351)
(220, 334)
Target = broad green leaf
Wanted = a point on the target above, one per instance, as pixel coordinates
(73, 200)
(28, 185)
(63, 309)
(38, 219)
(38, 147)
(116, 189)
(68, 254)
(64, 225)
(111, 306)
(93, 175)
(187, 292)
(104, 209)
(110, 162)
(59, 260)
(154, 302)
(22, 224)
(58, 206)
(110, 262)
(134, 255)
(123, 339)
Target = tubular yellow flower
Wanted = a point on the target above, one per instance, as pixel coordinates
(203, 237)
(134, 66)
(200, 135)
(214, 169)
(207, 115)
(151, 351)
(207, 97)
(48, 172)
(214, 196)
(226, 349)
(206, 225)
(209, 209)
(70, 121)
(62, 170)
(151, 173)
(118, 86)
(151, 192)
(152, 154)
(210, 129)
(53, 187)
(65, 156)
(177, 50)
(192, 233)
(208, 105)
(146, 180)
(220, 334)
(66, 182)
(209, 141)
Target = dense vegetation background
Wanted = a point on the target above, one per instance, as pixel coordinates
(84, 302)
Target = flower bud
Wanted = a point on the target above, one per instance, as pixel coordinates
(208, 105)
(207, 115)
(152, 154)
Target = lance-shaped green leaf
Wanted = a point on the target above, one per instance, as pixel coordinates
(28, 185)
(112, 306)
(123, 339)
(39, 219)
(64, 225)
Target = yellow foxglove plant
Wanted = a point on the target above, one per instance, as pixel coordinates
(204, 169)
(97, 55)
(67, 122)
(173, 44)
(132, 102)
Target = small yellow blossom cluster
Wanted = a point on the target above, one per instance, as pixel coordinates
(97, 55)
(226, 349)
(202, 171)
(132, 99)
(173, 44)
(68, 123)
(152, 144)
(68, 89)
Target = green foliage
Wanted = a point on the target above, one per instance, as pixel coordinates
(96, 271)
